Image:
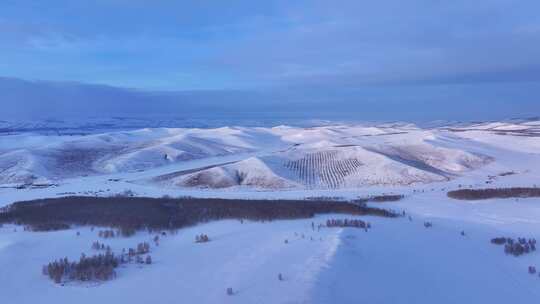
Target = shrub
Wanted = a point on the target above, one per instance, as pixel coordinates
(106, 234)
(516, 247)
(386, 198)
(47, 226)
(498, 240)
(100, 246)
(127, 231)
(203, 238)
(143, 248)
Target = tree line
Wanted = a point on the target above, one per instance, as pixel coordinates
(133, 213)
(355, 223)
(380, 198)
(490, 193)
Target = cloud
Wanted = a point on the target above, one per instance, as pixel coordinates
(391, 41)
(240, 43)
(264, 55)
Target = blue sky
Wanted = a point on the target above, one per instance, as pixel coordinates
(359, 52)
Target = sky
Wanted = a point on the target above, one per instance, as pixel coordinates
(388, 59)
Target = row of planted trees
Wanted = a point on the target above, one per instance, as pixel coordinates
(323, 169)
(355, 223)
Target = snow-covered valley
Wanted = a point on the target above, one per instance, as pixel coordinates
(398, 261)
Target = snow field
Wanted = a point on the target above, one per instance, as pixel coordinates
(403, 262)
(246, 257)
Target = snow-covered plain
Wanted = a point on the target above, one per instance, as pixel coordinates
(398, 261)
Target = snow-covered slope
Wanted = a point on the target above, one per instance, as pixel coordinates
(59, 157)
(344, 157)
(283, 157)
(251, 172)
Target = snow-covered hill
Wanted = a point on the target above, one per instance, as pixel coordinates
(283, 157)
